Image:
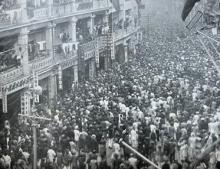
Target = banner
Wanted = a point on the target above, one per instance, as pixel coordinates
(97, 55)
(113, 49)
(60, 82)
(25, 103)
(5, 103)
(35, 85)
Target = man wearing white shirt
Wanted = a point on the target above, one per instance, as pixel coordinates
(76, 134)
(51, 155)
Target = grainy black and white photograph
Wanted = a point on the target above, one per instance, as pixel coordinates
(109, 84)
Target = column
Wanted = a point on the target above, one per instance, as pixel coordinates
(91, 69)
(126, 52)
(92, 23)
(106, 63)
(50, 9)
(49, 38)
(124, 16)
(106, 18)
(4, 103)
(73, 28)
(134, 46)
(24, 11)
(141, 36)
(23, 49)
(76, 78)
(52, 88)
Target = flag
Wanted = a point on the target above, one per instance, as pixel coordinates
(188, 6)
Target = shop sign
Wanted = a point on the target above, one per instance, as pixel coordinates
(60, 76)
(35, 85)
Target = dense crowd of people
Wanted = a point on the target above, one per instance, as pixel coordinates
(165, 105)
(164, 102)
(10, 59)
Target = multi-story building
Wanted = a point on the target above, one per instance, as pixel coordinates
(54, 43)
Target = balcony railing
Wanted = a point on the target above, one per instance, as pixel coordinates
(100, 4)
(84, 5)
(123, 33)
(64, 51)
(70, 7)
(63, 9)
(5, 19)
(41, 63)
(11, 75)
(10, 17)
(41, 13)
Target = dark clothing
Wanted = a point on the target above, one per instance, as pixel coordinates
(166, 166)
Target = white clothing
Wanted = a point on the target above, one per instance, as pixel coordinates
(51, 155)
(76, 134)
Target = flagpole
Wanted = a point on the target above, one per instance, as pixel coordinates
(138, 154)
(208, 37)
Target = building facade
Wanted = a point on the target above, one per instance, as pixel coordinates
(47, 46)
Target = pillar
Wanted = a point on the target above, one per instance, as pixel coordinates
(52, 88)
(134, 46)
(141, 36)
(34, 128)
(126, 52)
(23, 45)
(50, 8)
(124, 15)
(91, 69)
(92, 23)
(73, 29)
(4, 103)
(49, 38)
(76, 78)
(106, 63)
(106, 18)
(24, 15)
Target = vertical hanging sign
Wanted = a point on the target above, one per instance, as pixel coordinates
(25, 103)
(5, 103)
(113, 49)
(35, 85)
(97, 54)
(60, 82)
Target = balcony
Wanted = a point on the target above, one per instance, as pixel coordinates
(101, 42)
(124, 33)
(41, 64)
(37, 13)
(70, 7)
(40, 13)
(63, 9)
(100, 4)
(10, 17)
(11, 75)
(64, 52)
